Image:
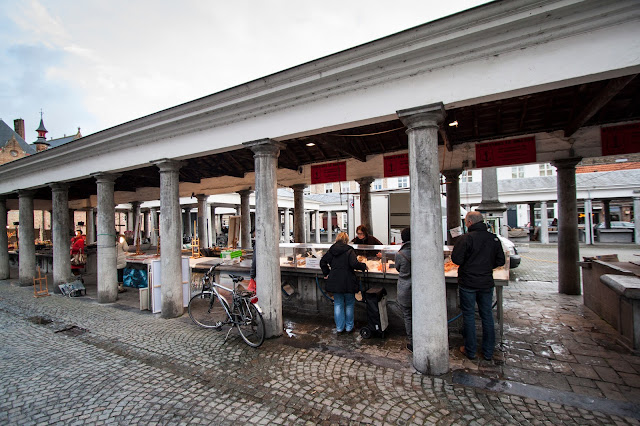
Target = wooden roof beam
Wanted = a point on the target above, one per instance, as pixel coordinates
(346, 148)
(601, 99)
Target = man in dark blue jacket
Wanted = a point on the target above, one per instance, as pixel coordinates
(477, 253)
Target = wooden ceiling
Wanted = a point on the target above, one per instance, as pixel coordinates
(566, 109)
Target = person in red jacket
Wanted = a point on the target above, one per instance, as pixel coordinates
(77, 247)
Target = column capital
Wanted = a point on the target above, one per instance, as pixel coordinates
(245, 192)
(452, 175)
(566, 163)
(26, 193)
(102, 177)
(364, 181)
(423, 116)
(202, 197)
(298, 187)
(58, 186)
(168, 165)
(265, 147)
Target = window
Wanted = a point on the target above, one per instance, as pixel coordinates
(307, 190)
(328, 188)
(517, 172)
(345, 187)
(377, 184)
(467, 176)
(546, 169)
(403, 182)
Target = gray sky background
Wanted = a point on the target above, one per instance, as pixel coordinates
(95, 64)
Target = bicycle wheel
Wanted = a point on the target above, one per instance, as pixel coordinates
(206, 311)
(250, 324)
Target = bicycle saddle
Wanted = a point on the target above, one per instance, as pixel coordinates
(236, 278)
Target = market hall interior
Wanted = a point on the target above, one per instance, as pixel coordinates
(504, 83)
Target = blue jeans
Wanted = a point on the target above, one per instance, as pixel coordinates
(468, 299)
(343, 307)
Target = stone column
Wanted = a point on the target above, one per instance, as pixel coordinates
(171, 253)
(71, 222)
(532, 220)
(309, 218)
(245, 219)
(188, 229)
(42, 225)
(568, 246)
(135, 211)
(607, 213)
(27, 245)
(91, 227)
(636, 215)
(131, 219)
(154, 226)
(202, 220)
(365, 202)
(60, 231)
(298, 213)
(544, 223)
(318, 225)
(211, 240)
(106, 239)
(430, 338)
(145, 224)
(266, 154)
(490, 206)
(588, 221)
(329, 227)
(453, 202)
(287, 231)
(4, 241)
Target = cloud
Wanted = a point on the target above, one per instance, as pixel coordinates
(98, 64)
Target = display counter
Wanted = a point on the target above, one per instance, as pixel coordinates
(44, 260)
(144, 272)
(303, 282)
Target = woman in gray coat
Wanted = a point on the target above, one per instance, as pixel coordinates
(403, 266)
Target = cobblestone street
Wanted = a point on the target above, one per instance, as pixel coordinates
(73, 361)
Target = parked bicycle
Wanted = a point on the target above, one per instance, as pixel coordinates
(217, 307)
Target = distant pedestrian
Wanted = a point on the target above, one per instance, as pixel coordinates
(121, 251)
(403, 266)
(252, 273)
(477, 253)
(338, 266)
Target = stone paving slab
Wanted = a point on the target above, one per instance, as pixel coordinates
(539, 262)
(69, 360)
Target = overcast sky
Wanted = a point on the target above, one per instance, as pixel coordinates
(95, 64)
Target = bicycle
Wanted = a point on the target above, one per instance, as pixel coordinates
(209, 309)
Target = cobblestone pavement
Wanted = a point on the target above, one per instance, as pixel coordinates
(540, 261)
(73, 361)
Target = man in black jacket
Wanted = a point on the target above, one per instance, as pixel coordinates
(477, 253)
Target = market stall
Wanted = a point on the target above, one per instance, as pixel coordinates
(303, 283)
(143, 271)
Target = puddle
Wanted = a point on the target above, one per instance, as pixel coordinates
(40, 320)
(72, 331)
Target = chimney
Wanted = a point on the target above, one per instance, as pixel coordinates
(18, 126)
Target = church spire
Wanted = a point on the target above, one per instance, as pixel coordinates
(41, 142)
